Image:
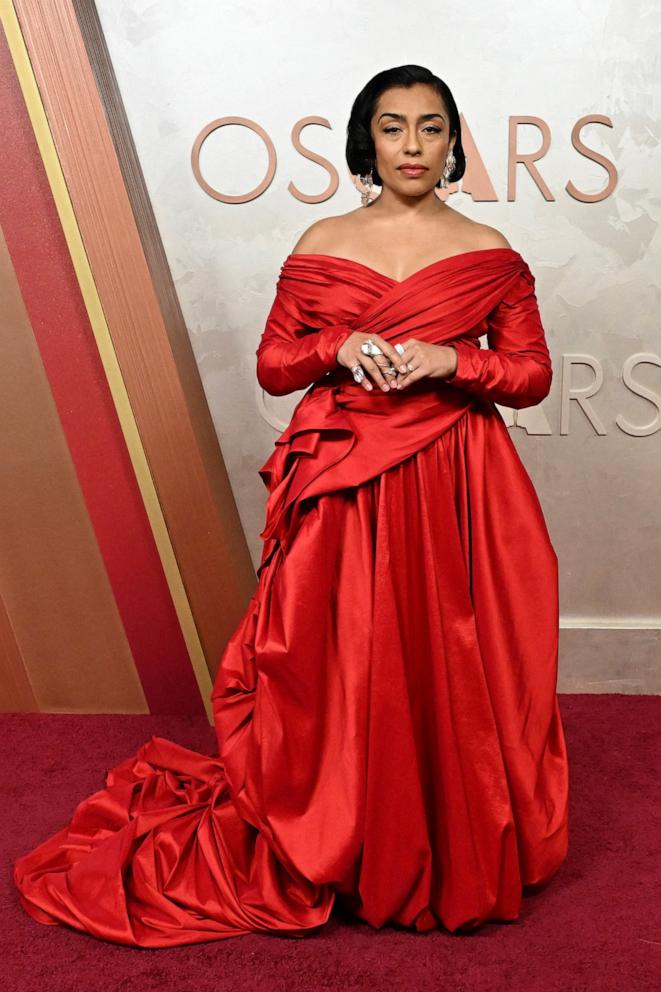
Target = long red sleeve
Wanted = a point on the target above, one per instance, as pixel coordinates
(515, 370)
(291, 355)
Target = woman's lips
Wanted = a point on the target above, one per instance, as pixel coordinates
(412, 170)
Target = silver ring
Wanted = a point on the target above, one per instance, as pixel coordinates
(369, 348)
(358, 373)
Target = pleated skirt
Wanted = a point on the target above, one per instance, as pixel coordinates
(389, 737)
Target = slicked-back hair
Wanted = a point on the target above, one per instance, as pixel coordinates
(360, 151)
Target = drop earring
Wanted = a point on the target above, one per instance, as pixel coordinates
(450, 163)
(366, 180)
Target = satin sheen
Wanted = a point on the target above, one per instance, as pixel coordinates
(388, 728)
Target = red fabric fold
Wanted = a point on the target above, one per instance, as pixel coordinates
(388, 729)
(341, 435)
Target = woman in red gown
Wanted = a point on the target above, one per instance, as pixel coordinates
(389, 736)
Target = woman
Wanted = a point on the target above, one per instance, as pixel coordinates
(388, 729)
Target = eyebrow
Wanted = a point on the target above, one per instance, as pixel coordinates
(401, 117)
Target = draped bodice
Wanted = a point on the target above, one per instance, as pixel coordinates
(341, 434)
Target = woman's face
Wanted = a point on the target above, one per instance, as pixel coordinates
(410, 126)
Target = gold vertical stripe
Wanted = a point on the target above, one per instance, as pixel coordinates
(111, 367)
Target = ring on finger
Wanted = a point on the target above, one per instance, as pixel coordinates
(370, 348)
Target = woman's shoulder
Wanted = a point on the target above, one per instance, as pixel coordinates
(475, 235)
(336, 234)
(490, 237)
(324, 233)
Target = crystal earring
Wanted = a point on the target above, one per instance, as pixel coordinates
(366, 180)
(450, 163)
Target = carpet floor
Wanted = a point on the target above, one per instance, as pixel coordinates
(595, 926)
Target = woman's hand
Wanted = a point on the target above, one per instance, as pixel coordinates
(434, 361)
(350, 355)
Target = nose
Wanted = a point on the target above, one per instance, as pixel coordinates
(412, 141)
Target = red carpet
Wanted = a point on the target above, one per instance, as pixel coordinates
(596, 926)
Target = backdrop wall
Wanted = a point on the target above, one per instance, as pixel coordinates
(583, 210)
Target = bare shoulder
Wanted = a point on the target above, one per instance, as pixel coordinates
(339, 235)
(490, 237)
(462, 233)
(325, 234)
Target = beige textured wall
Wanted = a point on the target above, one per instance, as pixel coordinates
(593, 447)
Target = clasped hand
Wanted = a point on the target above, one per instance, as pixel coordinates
(433, 361)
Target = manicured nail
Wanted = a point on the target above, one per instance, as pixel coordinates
(385, 386)
(402, 368)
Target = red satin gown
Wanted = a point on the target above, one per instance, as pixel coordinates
(388, 727)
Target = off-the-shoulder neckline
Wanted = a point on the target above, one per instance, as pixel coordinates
(400, 282)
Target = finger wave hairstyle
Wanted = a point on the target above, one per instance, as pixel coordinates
(360, 152)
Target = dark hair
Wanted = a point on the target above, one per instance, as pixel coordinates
(360, 152)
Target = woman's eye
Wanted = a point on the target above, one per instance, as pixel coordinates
(433, 130)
